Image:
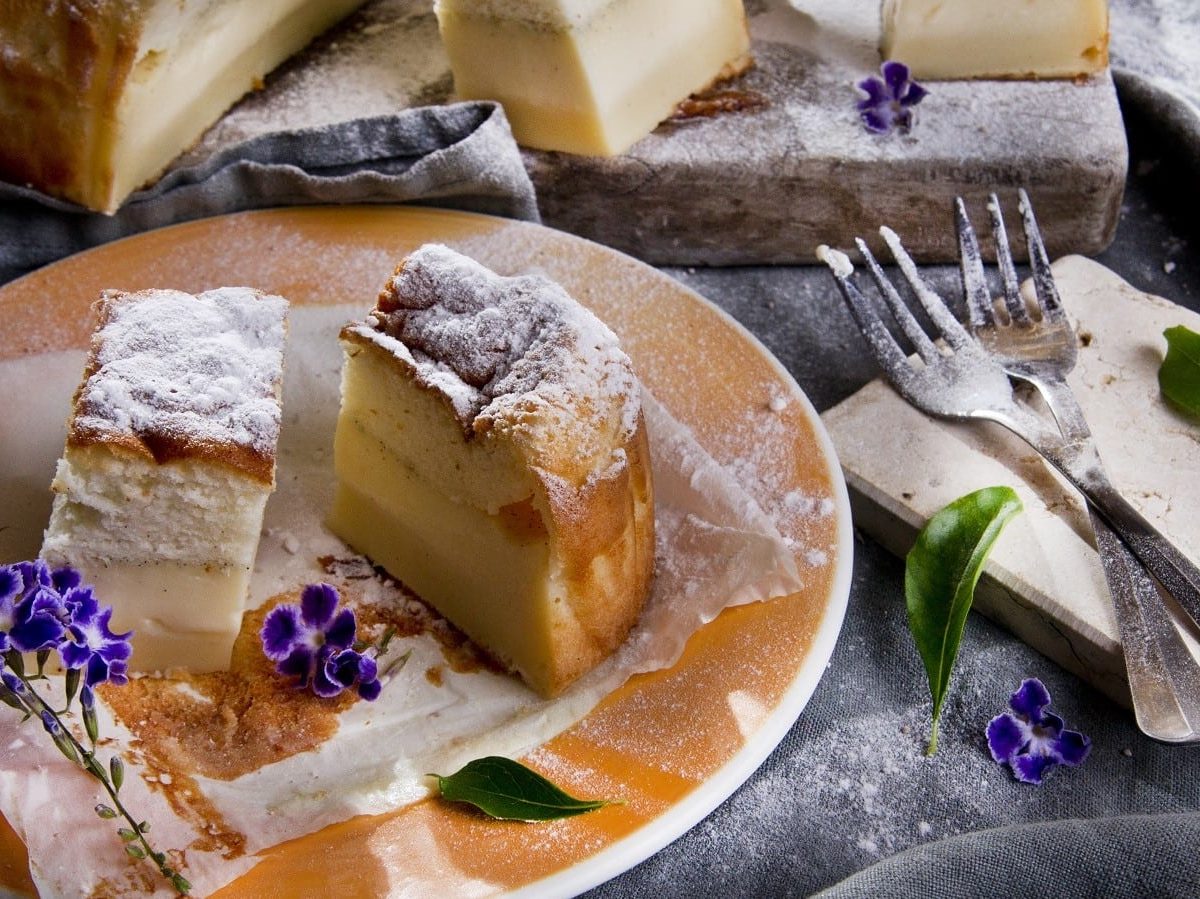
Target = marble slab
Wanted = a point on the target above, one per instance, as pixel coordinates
(768, 184)
(1044, 580)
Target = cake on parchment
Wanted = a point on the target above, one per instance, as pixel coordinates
(491, 454)
(169, 460)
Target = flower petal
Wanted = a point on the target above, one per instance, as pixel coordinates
(1031, 768)
(1029, 700)
(875, 90)
(895, 75)
(280, 632)
(42, 631)
(65, 578)
(1073, 747)
(299, 663)
(12, 584)
(913, 94)
(317, 604)
(340, 633)
(370, 690)
(324, 685)
(1006, 736)
(877, 120)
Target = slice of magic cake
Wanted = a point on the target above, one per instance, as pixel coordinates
(169, 461)
(491, 454)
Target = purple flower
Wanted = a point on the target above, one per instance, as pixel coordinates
(314, 642)
(30, 608)
(890, 100)
(1034, 740)
(88, 643)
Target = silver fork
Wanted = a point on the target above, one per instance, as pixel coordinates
(1164, 681)
(962, 381)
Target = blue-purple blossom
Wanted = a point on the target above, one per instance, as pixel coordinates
(45, 609)
(88, 643)
(889, 99)
(314, 642)
(1034, 740)
(31, 609)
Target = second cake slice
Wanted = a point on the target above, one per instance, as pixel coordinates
(491, 454)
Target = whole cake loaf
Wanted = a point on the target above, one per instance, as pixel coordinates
(491, 454)
(170, 458)
(98, 96)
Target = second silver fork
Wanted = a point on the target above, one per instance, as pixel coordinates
(1164, 681)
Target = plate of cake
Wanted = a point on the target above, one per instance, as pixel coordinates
(599, 526)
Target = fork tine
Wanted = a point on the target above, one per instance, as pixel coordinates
(979, 299)
(887, 352)
(1008, 271)
(1043, 279)
(946, 323)
(908, 323)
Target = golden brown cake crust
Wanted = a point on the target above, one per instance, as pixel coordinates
(61, 74)
(201, 381)
(518, 362)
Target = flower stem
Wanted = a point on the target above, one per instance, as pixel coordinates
(931, 749)
(86, 759)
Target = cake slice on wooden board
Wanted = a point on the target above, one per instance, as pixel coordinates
(590, 76)
(997, 38)
(170, 458)
(96, 98)
(491, 454)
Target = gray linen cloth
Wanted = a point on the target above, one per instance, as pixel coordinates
(461, 156)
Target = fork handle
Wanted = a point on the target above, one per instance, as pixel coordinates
(1177, 573)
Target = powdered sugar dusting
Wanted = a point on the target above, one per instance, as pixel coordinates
(502, 349)
(167, 364)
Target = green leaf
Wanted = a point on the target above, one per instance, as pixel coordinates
(134, 851)
(1179, 375)
(105, 811)
(508, 790)
(940, 574)
(181, 884)
(126, 834)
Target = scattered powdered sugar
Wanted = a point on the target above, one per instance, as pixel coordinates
(501, 347)
(200, 368)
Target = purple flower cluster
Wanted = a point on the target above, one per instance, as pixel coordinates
(314, 642)
(44, 610)
(890, 100)
(1034, 740)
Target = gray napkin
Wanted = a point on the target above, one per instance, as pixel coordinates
(461, 156)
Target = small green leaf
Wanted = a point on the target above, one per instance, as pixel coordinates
(1179, 375)
(134, 850)
(116, 768)
(508, 790)
(940, 574)
(181, 884)
(105, 812)
(126, 834)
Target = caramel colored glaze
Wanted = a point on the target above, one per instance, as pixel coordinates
(718, 102)
(636, 745)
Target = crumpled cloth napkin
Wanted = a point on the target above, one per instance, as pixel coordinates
(461, 156)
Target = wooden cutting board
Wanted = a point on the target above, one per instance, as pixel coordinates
(1044, 581)
(768, 184)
